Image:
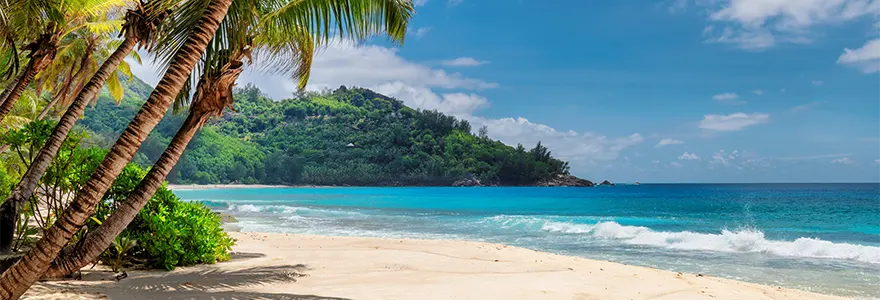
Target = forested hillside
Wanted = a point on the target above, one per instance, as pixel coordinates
(350, 136)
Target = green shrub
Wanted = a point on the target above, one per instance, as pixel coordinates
(6, 183)
(171, 232)
(166, 233)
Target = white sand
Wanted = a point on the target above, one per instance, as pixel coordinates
(281, 266)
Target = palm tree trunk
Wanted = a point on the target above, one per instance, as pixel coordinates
(21, 84)
(61, 93)
(15, 281)
(8, 90)
(42, 53)
(25, 188)
(99, 239)
(213, 94)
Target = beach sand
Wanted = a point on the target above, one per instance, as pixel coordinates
(288, 266)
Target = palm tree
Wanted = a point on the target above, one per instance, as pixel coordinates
(140, 26)
(78, 57)
(60, 19)
(18, 278)
(213, 94)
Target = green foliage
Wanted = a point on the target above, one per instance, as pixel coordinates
(6, 182)
(177, 233)
(305, 140)
(168, 231)
(121, 245)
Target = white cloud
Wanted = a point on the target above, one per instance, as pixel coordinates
(565, 144)
(458, 104)
(842, 161)
(877, 161)
(464, 62)
(813, 157)
(454, 2)
(866, 58)
(667, 142)
(729, 98)
(422, 32)
(725, 96)
(733, 122)
(818, 82)
(368, 66)
(723, 158)
(760, 24)
(688, 156)
(806, 106)
(754, 40)
(675, 165)
(758, 92)
(420, 86)
(782, 90)
(419, 2)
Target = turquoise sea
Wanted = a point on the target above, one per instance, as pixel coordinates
(818, 237)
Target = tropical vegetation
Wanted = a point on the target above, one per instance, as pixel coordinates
(70, 193)
(348, 136)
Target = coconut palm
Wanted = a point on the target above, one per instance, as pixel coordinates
(18, 278)
(140, 25)
(49, 21)
(265, 35)
(77, 60)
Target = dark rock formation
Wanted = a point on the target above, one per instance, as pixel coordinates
(606, 183)
(566, 180)
(469, 181)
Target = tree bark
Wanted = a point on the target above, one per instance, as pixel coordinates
(42, 53)
(15, 281)
(97, 240)
(79, 75)
(25, 188)
(8, 90)
(213, 94)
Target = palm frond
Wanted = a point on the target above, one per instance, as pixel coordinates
(104, 27)
(124, 69)
(356, 18)
(114, 86)
(14, 122)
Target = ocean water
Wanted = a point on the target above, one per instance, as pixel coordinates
(817, 237)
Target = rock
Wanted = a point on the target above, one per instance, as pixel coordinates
(470, 181)
(566, 180)
(606, 183)
(226, 218)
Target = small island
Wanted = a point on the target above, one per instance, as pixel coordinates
(344, 137)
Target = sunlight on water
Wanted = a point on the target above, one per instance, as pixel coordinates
(786, 236)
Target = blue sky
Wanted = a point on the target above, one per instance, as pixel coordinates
(650, 91)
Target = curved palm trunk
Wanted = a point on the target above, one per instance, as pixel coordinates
(42, 53)
(79, 75)
(65, 87)
(99, 239)
(213, 95)
(8, 90)
(15, 281)
(25, 188)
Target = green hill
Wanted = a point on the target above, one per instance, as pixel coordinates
(350, 136)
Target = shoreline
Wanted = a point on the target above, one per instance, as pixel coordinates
(295, 266)
(189, 187)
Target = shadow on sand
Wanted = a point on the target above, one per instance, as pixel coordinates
(207, 283)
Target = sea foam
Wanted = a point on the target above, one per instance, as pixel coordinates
(741, 241)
